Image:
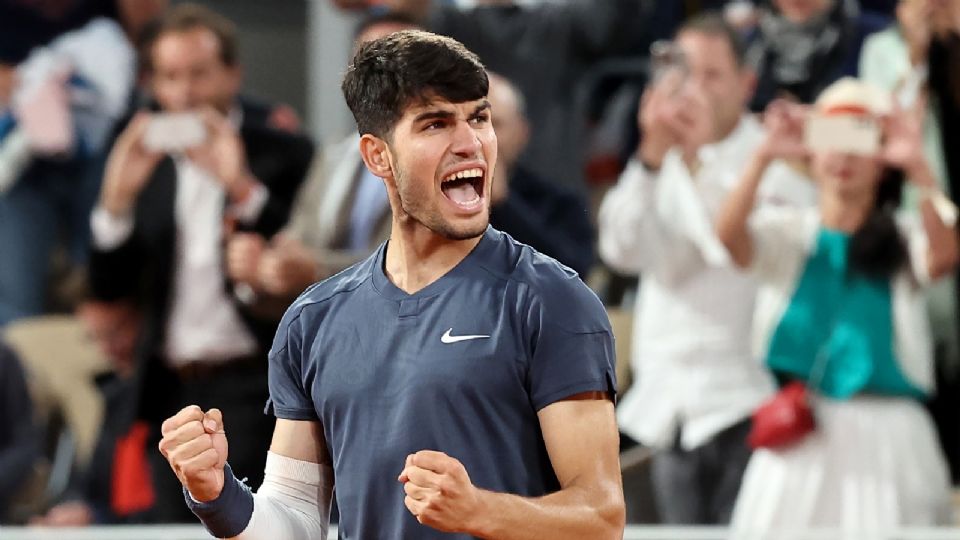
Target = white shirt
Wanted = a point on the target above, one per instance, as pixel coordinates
(203, 324)
(691, 354)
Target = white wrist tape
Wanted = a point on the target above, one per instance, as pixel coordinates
(293, 503)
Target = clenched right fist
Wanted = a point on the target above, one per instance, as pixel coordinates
(195, 445)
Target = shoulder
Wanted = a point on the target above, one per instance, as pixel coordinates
(308, 311)
(553, 292)
(884, 39)
(872, 23)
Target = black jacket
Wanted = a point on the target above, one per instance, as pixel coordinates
(142, 268)
(19, 437)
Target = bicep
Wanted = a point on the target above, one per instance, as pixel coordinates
(582, 440)
(300, 439)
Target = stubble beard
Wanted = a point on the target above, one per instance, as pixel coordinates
(412, 204)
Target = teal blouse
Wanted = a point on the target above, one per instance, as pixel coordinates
(846, 320)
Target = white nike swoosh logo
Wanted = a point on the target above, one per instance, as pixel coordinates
(447, 338)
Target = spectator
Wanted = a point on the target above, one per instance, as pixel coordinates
(158, 231)
(695, 390)
(341, 215)
(544, 50)
(802, 46)
(115, 486)
(19, 439)
(548, 216)
(840, 308)
(66, 70)
(898, 60)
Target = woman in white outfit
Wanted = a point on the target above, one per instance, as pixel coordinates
(841, 308)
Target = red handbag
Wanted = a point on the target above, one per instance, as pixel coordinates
(783, 420)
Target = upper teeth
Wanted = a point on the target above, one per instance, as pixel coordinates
(469, 173)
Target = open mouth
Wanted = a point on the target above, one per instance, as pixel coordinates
(464, 188)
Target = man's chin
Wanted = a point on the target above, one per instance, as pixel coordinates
(464, 231)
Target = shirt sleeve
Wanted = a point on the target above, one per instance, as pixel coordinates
(109, 231)
(572, 345)
(289, 394)
(781, 240)
(628, 234)
(250, 209)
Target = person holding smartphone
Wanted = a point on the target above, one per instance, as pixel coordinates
(695, 390)
(841, 308)
(177, 183)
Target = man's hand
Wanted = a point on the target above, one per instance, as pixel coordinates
(659, 131)
(287, 268)
(673, 114)
(692, 113)
(128, 168)
(244, 256)
(195, 445)
(439, 491)
(222, 155)
(784, 123)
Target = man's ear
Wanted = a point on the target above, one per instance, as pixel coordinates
(376, 155)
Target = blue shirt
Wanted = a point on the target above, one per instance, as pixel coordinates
(844, 321)
(462, 367)
(369, 205)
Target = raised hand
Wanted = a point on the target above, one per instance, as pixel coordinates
(222, 154)
(903, 139)
(287, 268)
(659, 129)
(128, 168)
(784, 122)
(439, 491)
(244, 255)
(195, 445)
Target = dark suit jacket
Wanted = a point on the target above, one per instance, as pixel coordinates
(19, 437)
(551, 218)
(142, 268)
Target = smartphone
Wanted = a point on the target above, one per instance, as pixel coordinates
(174, 132)
(666, 57)
(848, 134)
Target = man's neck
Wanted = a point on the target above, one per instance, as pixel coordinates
(417, 256)
(725, 132)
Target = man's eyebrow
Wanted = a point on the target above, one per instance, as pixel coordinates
(445, 115)
(433, 115)
(481, 107)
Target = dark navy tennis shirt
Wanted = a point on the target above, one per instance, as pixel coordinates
(461, 367)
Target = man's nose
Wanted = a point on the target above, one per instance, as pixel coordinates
(466, 140)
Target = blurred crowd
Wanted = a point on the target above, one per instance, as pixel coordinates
(761, 191)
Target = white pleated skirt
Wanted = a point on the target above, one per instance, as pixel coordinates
(874, 463)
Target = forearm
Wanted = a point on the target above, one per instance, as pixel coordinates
(939, 221)
(734, 214)
(293, 503)
(628, 233)
(573, 513)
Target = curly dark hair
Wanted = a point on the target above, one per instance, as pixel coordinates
(389, 74)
